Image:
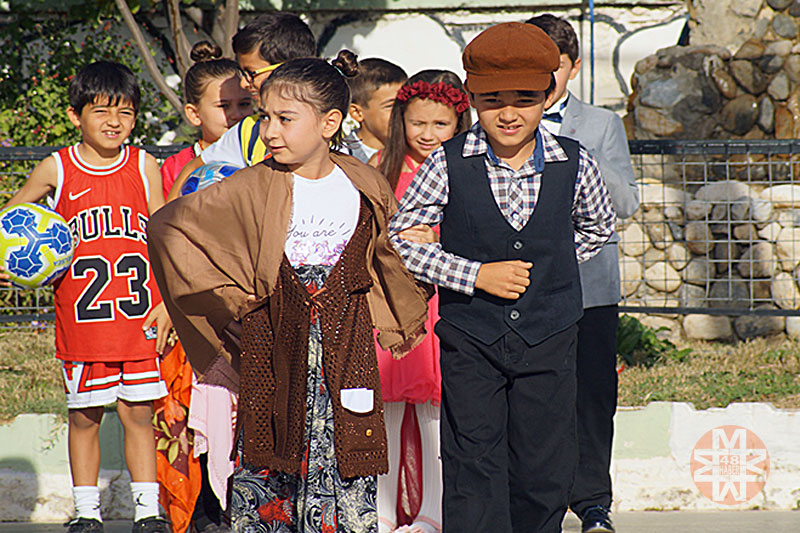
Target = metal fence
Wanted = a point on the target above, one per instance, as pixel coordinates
(718, 231)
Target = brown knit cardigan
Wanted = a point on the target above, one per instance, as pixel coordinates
(274, 366)
(216, 255)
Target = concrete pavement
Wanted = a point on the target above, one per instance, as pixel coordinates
(626, 522)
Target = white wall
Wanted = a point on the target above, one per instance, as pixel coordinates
(417, 41)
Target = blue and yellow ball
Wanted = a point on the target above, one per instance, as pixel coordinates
(36, 246)
(207, 175)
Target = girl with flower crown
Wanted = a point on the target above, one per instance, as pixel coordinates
(430, 108)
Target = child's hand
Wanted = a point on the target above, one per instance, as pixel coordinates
(506, 279)
(420, 234)
(4, 278)
(158, 316)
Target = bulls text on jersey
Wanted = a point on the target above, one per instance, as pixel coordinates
(98, 222)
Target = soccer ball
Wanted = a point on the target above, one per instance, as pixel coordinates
(207, 175)
(36, 245)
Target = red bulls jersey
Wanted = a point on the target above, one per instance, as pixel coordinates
(103, 299)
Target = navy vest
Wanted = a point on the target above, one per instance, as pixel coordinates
(473, 227)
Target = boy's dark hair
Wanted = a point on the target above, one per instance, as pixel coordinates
(103, 79)
(551, 87)
(317, 83)
(374, 73)
(278, 36)
(560, 31)
(396, 148)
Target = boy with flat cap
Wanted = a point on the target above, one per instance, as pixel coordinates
(602, 133)
(518, 209)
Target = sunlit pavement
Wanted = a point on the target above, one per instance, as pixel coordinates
(633, 522)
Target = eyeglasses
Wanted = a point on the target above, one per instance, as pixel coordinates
(251, 74)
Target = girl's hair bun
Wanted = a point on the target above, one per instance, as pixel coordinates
(346, 62)
(205, 51)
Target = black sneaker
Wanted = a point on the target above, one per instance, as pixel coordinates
(596, 520)
(211, 527)
(151, 524)
(84, 525)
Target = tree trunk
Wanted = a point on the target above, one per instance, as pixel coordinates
(147, 57)
(182, 48)
(229, 20)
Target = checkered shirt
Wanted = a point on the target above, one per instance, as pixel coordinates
(515, 193)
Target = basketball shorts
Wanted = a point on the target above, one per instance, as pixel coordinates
(97, 384)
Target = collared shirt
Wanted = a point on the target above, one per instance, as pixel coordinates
(515, 193)
(354, 146)
(554, 116)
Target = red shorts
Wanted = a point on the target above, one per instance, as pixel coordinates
(98, 384)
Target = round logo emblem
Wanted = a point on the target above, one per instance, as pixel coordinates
(730, 465)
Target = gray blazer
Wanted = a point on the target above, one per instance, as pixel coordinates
(602, 133)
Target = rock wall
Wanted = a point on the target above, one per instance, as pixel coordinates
(719, 231)
(725, 244)
(739, 79)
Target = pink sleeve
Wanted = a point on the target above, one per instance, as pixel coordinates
(173, 165)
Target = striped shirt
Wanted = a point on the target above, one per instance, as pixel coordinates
(514, 191)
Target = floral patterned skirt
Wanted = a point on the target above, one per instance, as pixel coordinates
(317, 500)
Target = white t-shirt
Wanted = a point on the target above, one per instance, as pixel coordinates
(227, 149)
(324, 217)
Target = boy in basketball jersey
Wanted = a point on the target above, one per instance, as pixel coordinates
(106, 191)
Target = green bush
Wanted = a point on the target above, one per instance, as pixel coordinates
(40, 57)
(638, 344)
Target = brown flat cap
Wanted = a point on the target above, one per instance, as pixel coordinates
(510, 57)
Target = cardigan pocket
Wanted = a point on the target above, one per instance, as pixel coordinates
(362, 432)
(359, 400)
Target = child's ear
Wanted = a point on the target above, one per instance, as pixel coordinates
(192, 115)
(331, 121)
(576, 68)
(357, 113)
(74, 117)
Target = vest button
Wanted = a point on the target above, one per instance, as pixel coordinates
(368, 432)
(514, 314)
(517, 245)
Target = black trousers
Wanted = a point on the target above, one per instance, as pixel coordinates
(509, 446)
(596, 405)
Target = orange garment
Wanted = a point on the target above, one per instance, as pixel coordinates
(178, 470)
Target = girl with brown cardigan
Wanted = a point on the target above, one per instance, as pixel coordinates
(275, 278)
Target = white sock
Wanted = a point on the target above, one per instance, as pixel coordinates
(430, 512)
(145, 500)
(87, 501)
(387, 483)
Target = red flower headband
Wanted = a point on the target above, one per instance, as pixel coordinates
(438, 92)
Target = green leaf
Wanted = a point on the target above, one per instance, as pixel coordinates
(172, 454)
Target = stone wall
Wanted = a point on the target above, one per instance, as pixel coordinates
(739, 79)
(716, 232)
(724, 244)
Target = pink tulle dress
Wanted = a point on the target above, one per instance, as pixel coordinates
(416, 378)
